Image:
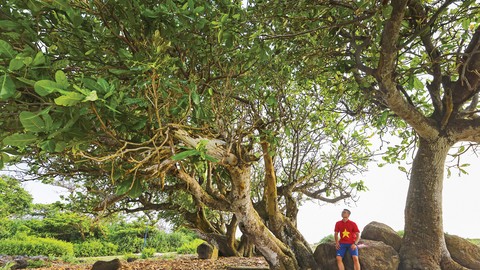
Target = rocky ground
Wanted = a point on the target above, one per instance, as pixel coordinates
(179, 263)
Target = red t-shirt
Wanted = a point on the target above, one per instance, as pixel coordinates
(347, 231)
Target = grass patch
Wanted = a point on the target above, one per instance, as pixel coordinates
(475, 241)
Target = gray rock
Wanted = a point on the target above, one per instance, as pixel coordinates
(131, 259)
(107, 265)
(373, 255)
(377, 231)
(20, 264)
(463, 251)
(205, 251)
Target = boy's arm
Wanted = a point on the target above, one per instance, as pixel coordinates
(357, 239)
(337, 243)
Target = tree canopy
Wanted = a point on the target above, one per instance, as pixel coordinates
(179, 106)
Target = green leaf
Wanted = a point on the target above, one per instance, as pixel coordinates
(199, 9)
(417, 84)
(210, 158)
(6, 49)
(45, 87)
(124, 187)
(15, 64)
(70, 99)
(48, 121)
(125, 54)
(39, 59)
(383, 119)
(60, 146)
(195, 98)
(32, 122)
(387, 11)
(61, 79)
(48, 146)
(185, 154)
(104, 84)
(20, 140)
(7, 87)
(8, 25)
(136, 189)
(92, 96)
(26, 81)
(27, 60)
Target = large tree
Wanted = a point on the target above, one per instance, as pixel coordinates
(418, 64)
(178, 106)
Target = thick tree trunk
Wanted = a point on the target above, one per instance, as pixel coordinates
(277, 254)
(284, 229)
(424, 245)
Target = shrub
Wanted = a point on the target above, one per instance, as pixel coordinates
(38, 264)
(326, 239)
(128, 240)
(7, 266)
(35, 246)
(148, 253)
(94, 248)
(190, 247)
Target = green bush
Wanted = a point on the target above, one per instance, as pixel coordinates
(7, 266)
(326, 239)
(130, 238)
(190, 247)
(35, 246)
(148, 253)
(38, 264)
(94, 248)
(167, 242)
(129, 256)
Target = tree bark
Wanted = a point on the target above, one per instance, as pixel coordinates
(278, 255)
(424, 244)
(281, 226)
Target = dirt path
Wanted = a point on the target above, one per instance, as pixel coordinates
(173, 264)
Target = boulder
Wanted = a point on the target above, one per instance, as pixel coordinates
(377, 231)
(372, 254)
(131, 259)
(107, 265)
(20, 264)
(205, 251)
(463, 251)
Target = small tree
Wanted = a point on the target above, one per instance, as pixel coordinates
(15, 201)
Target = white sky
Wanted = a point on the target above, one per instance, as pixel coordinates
(384, 202)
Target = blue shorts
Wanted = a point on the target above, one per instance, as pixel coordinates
(344, 248)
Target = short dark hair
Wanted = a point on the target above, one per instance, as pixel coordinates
(347, 211)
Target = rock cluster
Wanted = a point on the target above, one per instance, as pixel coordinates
(379, 246)
(19, 262)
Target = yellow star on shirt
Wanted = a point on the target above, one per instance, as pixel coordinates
(345, 233)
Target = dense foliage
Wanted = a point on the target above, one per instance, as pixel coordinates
(49, 229)
(14, 200)
(34, 246)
